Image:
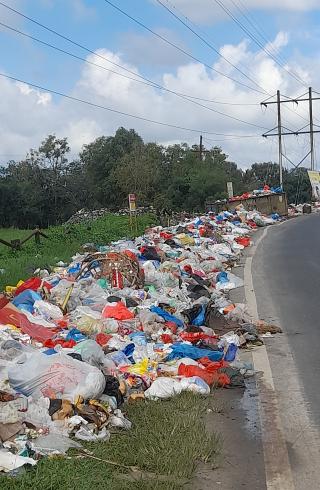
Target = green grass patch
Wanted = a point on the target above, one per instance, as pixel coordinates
(167, 440)
(63, 242)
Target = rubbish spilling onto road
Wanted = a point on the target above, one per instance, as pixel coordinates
(137, 319)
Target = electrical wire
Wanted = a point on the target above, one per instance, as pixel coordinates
(185, 97)
(98, 106)
(239, 5)
(159, 36)
(254, 38)
(210, 45)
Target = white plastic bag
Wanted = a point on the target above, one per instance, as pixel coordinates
(196, 385)
(163, 388)
(57, 375)
(48, 310)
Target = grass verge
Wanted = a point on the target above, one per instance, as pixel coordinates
(63, 242)
(167, 440)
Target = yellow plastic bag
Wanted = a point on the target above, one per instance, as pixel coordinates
(12, 289)
(185, 239)
(139, 368)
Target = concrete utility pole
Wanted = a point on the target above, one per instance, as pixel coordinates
(200, 148)
(281, 131)
(279, 137)
(311, 128)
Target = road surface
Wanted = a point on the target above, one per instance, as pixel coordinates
(286, 281)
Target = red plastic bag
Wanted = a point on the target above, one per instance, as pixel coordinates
(102, 339)
(10, 315)
(119, 312)
(212, 366)
(211, 378)
(166, 338)
(33, 283)
(165, 235)
(66, 344)
(245, 241)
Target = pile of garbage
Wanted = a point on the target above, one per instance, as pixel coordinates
(142, 319)
(87, 215)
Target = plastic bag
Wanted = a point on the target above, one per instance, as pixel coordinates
(211, 378)
(163, 388)
(87, 434)
(186, 350)
(196, 385)
(118, 311)
(54, 444)
(58, 376)
(26, 300)
(91, 352)
(48, 310)
(117, 419)
(9, 315)
(166, 316)
(10, 462)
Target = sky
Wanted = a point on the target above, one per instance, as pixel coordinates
(191, 86)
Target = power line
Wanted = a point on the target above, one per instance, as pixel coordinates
(254, 38)
(98, 106)
(141, 24)
(258, 29)
(175, 46)
(143, 80)
(100, 66)
(210, 45)
(231, 139)
(149, 82)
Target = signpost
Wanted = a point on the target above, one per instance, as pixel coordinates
(133, 214)
(230, 189)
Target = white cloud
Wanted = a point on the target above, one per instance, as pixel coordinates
(27, 115)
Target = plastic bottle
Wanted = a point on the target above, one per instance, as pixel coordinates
(230, 355)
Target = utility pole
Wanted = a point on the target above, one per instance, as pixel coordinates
(200, 149)
(280, 137)
(281, 131)
(311, 128)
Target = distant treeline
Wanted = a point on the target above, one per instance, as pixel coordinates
(46, 188)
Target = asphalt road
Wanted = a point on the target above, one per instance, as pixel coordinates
(286, 280)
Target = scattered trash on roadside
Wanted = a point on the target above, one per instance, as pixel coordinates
(141, 319)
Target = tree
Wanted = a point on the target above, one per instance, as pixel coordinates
(100, 159)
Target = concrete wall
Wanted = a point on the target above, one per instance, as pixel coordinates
(274, 203)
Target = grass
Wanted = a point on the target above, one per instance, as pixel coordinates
(63, 242)
(167, 440)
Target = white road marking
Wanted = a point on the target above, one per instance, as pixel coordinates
(276, 458)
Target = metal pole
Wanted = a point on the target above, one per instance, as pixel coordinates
(280, 138)
(311, 129)
(200, 148)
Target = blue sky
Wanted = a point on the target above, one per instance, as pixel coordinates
(99, 26)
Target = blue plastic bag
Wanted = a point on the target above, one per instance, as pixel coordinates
(76, 335)
(164, 314)
(199, 319)
(222, 277)
(185, 350)
(26, 300)
(230, 355)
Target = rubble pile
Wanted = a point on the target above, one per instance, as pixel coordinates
(142, 319)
